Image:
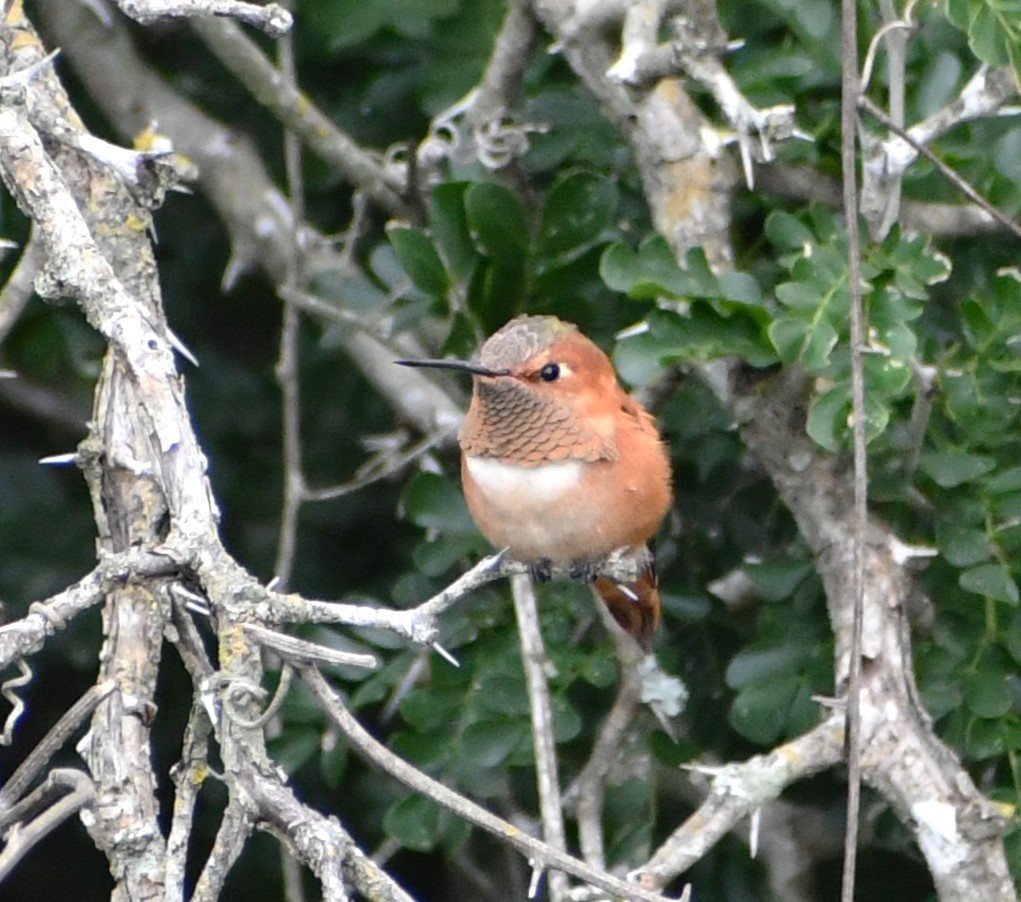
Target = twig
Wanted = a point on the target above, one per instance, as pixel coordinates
(256, 73)
(505, 68)
(82, 793)
(533, 658)
(538, 852)
(881, 196)
(300, 652)
(419, 624)
(7, 690)
(850, 92)
(736, 791)
(288, 368)
(27, 636)
(235, 828)
(50, 744)
(380, 467)
(273, 19)
(946, 171)
(320, 842)
(20, 285)
(188, 775)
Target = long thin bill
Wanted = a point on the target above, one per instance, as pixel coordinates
(461, 365)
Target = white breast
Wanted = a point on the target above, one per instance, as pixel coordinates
(534, 486)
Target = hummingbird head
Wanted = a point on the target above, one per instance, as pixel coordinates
(540, 352)
(539, 388)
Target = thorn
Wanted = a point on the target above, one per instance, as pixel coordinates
(533, 884)
(8, 374)
(59, 460)
(754, 822)
(181, 348)
(273, 583)
(496, 560)
(197, 604)
(639, 328)
(443, 653)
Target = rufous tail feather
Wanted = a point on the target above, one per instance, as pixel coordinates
(634, 605)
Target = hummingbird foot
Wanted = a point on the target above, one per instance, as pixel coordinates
(541, 570)
(587, 571)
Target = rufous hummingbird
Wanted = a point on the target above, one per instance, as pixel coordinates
(560, 465)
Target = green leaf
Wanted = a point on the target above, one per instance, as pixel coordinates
(419, 258)
(488, 743)
(963, 546)
(1005, 481)
(448, 220)
(755, 665)
(986, 693)
(498, 223)
(759, 711)
(991, 580)
(956, 467)
(788, 336)
(435, 503)
(429, 708)
(412, 822)
(578, 210)
(777, 580)
(827, 417)
(566, 719)
(295, 747)
(786, 232)
(647, 274)
(496, 293)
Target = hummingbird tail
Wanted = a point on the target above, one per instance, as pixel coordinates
(634, 605)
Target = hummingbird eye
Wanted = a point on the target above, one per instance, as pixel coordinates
(550, 372)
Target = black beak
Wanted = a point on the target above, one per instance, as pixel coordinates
(461, 365)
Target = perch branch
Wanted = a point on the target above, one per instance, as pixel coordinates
(533, 658)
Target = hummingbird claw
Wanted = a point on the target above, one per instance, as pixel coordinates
(541, 570)
(586, 571)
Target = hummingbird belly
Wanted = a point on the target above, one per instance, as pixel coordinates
(540, 512)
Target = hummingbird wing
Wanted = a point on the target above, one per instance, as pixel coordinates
(635, 605)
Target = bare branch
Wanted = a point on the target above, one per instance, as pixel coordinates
(256, 73)
(946, 171)
(235, 828)
(533, 657)
(736, 792)
(20, 285)
(29, 834)
(27, 636)
(188, 775)
(320, 842)
(273, 19)
(586, 793)
(49, 745)
(301, 652)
